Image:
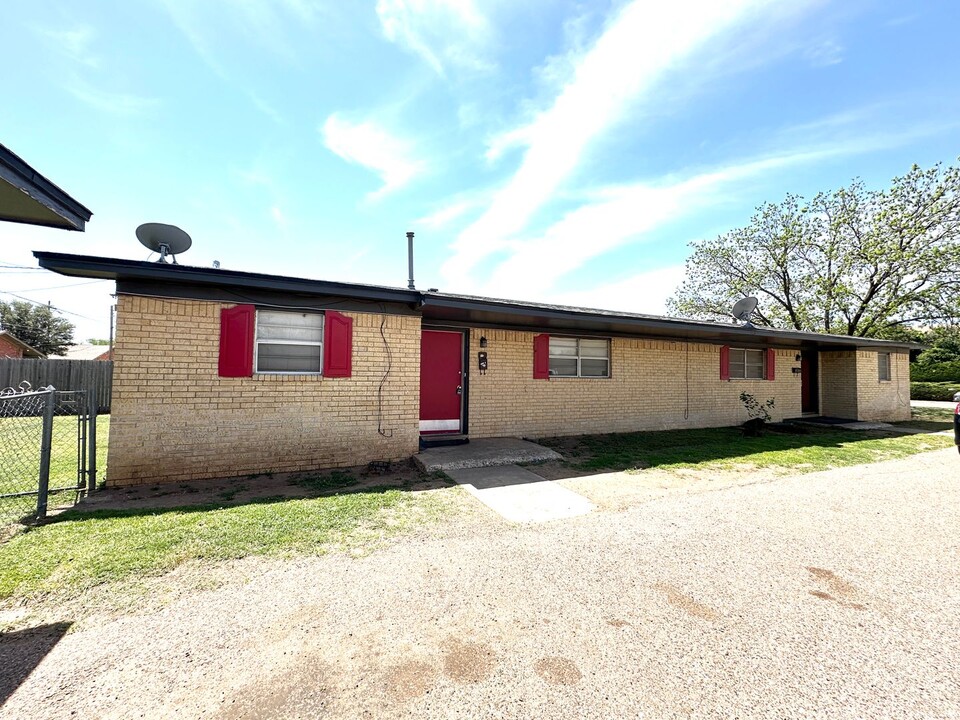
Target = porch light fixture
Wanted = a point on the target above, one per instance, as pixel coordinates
(798, 357)
(483, 341)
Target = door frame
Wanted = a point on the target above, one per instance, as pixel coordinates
(464, 372)
(812, 357)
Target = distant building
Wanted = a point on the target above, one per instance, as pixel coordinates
(86, 351)
(13, 347)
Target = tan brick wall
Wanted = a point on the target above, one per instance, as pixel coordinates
(646, 390)
(838, 384)
(173, 418)
(887, 400)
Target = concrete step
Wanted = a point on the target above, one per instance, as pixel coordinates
(486, 452)
(444, 440)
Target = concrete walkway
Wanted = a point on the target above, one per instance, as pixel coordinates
(520, 495)
(486, 452)
(933, 404)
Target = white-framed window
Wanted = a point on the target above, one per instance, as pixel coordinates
(289, 342)
(747, 364)
(579, 357)
(883, 365)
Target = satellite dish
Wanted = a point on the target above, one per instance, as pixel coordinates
(744, 308)
(164, 239)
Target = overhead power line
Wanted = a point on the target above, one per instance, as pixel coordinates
(34, 302)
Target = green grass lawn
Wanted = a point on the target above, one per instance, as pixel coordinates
(83, 549)
(727, 449)
(928, 418)
(20, 459)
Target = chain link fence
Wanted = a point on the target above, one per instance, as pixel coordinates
(48, 454)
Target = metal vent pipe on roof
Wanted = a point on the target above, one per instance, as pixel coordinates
(410, 284)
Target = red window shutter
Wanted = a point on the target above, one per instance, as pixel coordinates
(725, 362)
(541, 357)
(237, 329)
(337, 345)
(771, 364)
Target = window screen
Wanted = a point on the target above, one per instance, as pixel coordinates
(883, 365)
(747, 364)
(579, 357)
(289, 342)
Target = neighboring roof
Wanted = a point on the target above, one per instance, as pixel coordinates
(28, 351)
(28, 197)
(85, 351)
(447, 308)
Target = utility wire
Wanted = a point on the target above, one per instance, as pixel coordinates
(34, 302)
(57, 287)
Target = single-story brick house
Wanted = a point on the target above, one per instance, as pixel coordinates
(222, 373)
(13, 347)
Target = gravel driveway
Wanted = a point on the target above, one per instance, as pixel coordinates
(829, 595)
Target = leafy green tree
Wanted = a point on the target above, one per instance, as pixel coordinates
(851, 261)
(37, 326)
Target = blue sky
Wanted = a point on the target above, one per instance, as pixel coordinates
(558, 151)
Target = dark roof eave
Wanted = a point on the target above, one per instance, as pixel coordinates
(15, 171)
(462, 309)
(659, 326)
(114, 269)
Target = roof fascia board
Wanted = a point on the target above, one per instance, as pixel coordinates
(664, 327)
(111, 269)
(23, 177)
(262, 298)
(463, 310)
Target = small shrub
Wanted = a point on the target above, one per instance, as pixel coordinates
(936, 372)
(757, 412)
(933, 390)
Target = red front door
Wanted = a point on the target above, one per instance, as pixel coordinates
(441, 381)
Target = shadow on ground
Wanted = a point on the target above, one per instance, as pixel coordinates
(269, 488)
(725, 448)
(22, 650)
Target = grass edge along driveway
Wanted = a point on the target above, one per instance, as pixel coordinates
(81, 550)
(726, 449)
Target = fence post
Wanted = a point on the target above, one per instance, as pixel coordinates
(46, 444)
(92, 401)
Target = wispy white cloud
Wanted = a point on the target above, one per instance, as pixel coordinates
(445, 33)
(624, 213)
(210, 26)
(278, 216)
(629, 213)
(371, 146)
(83, 76)
(824, 52)
(76, 43)
(642, 43)
(263, 23)
(643, 292)
(115, 103)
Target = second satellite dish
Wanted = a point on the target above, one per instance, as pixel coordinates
(744, 308)
(168, 240)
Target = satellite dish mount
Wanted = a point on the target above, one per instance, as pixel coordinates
(168, 240)
(743, 309)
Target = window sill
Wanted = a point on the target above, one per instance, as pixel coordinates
(578, 377)
(289, 376)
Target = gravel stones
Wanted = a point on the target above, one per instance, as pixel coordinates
(828, 595)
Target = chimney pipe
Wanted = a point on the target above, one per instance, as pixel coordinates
(410, 284)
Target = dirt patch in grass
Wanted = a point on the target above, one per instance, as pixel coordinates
(266, 486)
(121, 537)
